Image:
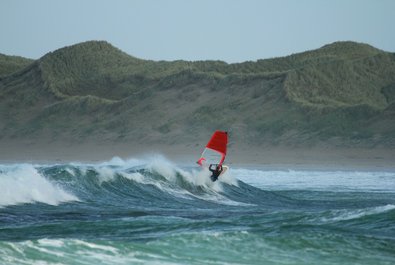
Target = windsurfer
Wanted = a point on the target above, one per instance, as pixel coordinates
(216, 170)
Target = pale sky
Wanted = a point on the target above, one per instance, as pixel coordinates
(228, 30)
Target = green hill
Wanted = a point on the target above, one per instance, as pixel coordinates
(340, 94)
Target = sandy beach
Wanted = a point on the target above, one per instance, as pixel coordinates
(268, 157)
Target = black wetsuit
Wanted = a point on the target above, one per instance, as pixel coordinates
(215, 172)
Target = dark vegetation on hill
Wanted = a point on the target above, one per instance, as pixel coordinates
(342, 94)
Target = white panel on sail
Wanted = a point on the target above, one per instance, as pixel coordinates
(211, 157)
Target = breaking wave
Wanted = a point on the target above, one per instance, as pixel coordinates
(24, 184)
(113, 182)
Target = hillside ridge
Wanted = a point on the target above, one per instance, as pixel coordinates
(340, 94)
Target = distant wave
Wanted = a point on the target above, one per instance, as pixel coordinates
(318, 180)
(343, 215)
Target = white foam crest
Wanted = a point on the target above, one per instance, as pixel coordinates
(343, 215)
(114, 161)
(318, 180)
(96, 246)
(157, 164)
(160, 165)
(123, 163)
(109, 169)
(51, 242)
(23, 184)
(163, 167)
(105, 174)
(70, 171)
(137, 177)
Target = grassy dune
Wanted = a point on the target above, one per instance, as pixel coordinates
(10, 64)
(342, 94)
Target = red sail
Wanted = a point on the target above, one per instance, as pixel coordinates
(218, 142)
(215, 150)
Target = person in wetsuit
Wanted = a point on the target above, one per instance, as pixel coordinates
(216, 170)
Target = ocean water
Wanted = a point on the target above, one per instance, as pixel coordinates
(153, 211)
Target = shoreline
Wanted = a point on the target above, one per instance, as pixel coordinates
(274, 158)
